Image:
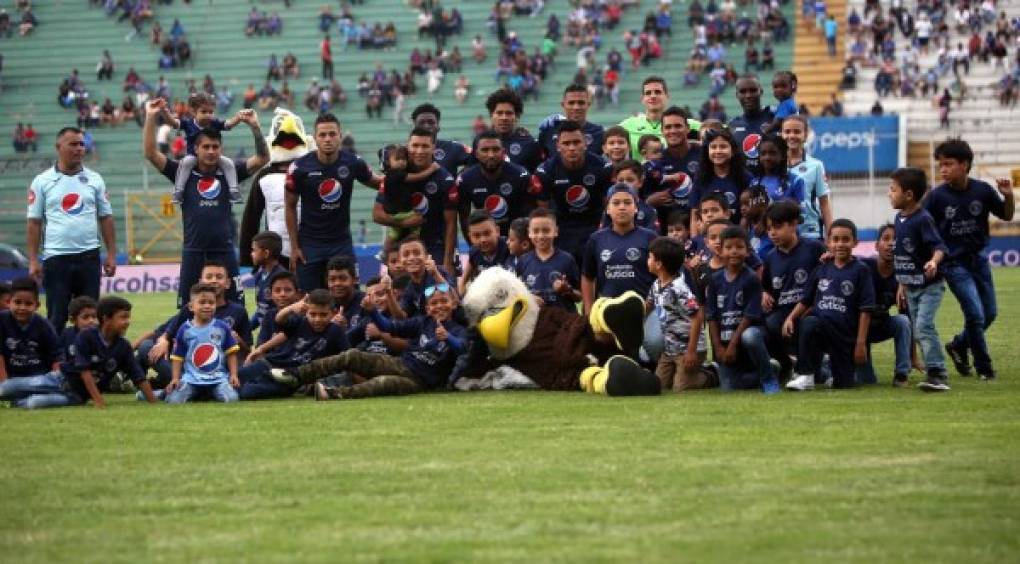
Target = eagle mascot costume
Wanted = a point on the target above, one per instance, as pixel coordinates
(287, 141)
(516, 343)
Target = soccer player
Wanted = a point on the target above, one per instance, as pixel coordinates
(576, 182)
(495, 185)
(654, 98)
(748, 127)
(322, 181)
(576, 102)
(71, 201)
(669, 181)
(505, 109)
(450, 155)
(208, 184)
(960, 207)
(435, 199)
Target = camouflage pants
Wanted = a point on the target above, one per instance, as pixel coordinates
(387, 375)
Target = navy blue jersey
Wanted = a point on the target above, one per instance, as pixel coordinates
(209, 223)
(268, 326)
(731, 301)
(480, 261)
(352, 308)
(682, 190)
(431, 197)
(785, 274)
(451, 155)
(413, 301)
(725, 185)
(523, 149)
(233, 314)
(839, 295)
(67, 339)
(547, 136)
(619, 263)
(885, 289)
(264, 295)
(426, 357)
(646, 217)
(30, 350)
(304, 344)
(962, 217)
(747, 130)
(324, 191)
(506, 197)
(104, 360)
(357, 337)
(697, 244)
(539, 275)
(578, 197)
(917, 239)
(191, 130)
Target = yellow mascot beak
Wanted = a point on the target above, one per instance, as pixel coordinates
(496, 328)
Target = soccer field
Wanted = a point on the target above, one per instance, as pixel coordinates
(868, 475)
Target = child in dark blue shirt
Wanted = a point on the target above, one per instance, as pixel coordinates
(424, 273)
(265, 256)
(785, 276)
(885, 326)
(366, 335)
(488, 249)
(100, 354)
(81, 313)
(28, 344)
(435, 341)
(960, 208)
(283, 292)
(918, 252)
(733, 311)
(304, 333)
(631, 172)
(203, 116)
(549, 273)
(840, 297)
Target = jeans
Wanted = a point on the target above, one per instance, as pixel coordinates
(744, 376)
(923, 303)
(162, 368)
(256, 383)
(191, 270)
(222, 392)
(897, 328)
(66, 277)
(975, 291)
(818, 337)
(34, 392)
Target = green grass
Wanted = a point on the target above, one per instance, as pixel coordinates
(870, 475)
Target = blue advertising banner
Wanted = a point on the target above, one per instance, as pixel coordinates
(843, 144)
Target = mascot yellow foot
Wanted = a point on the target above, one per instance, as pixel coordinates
(622, 318)
(620, 376)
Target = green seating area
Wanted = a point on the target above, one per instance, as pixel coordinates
(71, 35)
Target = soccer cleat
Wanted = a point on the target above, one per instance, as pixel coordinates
(899, 381)
(324, 392)
(802, 383)
(988, 377)
(934, 383)
(712, 373)
(959, 357)
(283, 376)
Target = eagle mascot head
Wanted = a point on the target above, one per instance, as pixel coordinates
(287, 138)
(503, 309)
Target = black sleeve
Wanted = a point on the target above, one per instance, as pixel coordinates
(251, 220)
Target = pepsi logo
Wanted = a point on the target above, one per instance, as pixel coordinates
(208, 187)
(496, 206)
(205, 357)
(750, 145)
(330, 190)
(681, 188)
(72, 203)
(577, 196)
(420, 203)
(31, 196)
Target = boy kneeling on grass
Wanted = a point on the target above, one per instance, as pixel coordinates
(100, 354)
(836, 311)
(205, 353)
(435, 340)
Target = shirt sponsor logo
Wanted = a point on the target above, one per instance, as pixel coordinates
(205, 357)
(577, 196)
(496, 206)
(420, 203)
(330, 190)
(750, 145)
(208, 187)
(72, 203)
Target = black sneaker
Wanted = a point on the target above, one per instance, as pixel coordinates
(988, 377)
(899, 381)
(959, 358)
(934, 383)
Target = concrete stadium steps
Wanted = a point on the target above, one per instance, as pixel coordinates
(32, 73)
(818, 74)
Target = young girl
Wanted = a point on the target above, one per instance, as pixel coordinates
(773, 174)
(396, 200)
(816, 211)
(616, 259)
(721, 170)
(753, 204)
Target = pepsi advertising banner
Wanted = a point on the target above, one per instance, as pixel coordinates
(844, 144)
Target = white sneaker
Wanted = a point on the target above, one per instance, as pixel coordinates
(802, 383)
